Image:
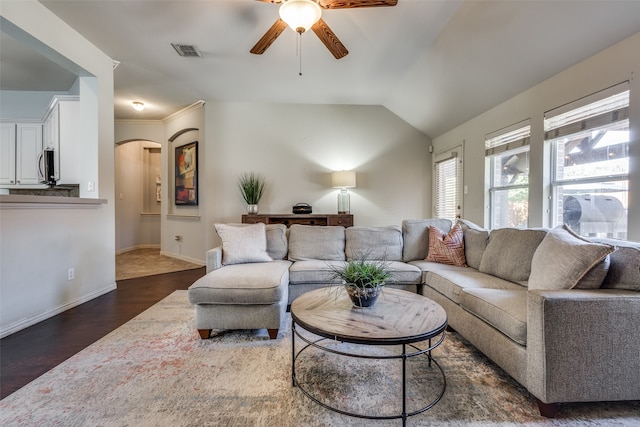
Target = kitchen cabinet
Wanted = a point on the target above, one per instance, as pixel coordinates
(60, 134)
(20, 146)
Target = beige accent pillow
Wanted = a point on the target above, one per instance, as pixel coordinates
(563, 259)
(243, 244)
(509, 253)
(446, 248)
(475, 242)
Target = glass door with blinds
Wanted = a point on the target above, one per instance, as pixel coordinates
(447, 178)
(590, 165)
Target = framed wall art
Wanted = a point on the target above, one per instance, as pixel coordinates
(186, 183)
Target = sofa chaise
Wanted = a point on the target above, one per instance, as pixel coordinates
(559, 313)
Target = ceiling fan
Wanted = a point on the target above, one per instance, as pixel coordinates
(301, 15)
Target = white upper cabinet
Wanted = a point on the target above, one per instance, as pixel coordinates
(20, 146)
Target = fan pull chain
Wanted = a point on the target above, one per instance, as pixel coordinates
(299, 53)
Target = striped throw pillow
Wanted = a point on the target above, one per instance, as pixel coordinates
(446, 248)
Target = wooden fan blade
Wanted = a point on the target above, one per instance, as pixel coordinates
(269, 37)
(350, 4)
(329, 39)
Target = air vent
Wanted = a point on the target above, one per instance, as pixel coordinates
(187, 50)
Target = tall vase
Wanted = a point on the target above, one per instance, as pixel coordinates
(252, 209)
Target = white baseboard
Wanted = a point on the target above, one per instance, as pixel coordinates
(183, 258)
(133, 248)
(25, 323)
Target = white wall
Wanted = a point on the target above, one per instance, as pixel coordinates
(616, 64)
(188, 222)
(296, 147)
(136, 227)
(21, 105)
(40, 242)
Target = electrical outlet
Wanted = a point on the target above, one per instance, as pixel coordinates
(71, 273)
(91, 186)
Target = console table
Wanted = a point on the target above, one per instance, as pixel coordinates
(345, 220)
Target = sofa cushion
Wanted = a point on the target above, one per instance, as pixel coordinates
(446, 248)
(563, 258)
(509, 253)
(277, 245)
(475, 242)
(255, 283)
(374, 243)
(594, 278)
(404, 274)
(308, 242)
(505, 310)
(314, 272)
(624, 272)
(415, 235)
(451, 282)
(243, 244)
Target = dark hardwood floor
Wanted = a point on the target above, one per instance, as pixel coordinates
(27, 354)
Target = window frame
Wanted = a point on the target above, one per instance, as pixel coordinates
(591, 121)
(513, 140)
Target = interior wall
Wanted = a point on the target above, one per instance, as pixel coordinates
(296, 147)
(616, 64)
(40, 243)
(22, 104)
(137, 216)
(184, 227)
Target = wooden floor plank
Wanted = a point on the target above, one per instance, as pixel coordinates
(27, 354)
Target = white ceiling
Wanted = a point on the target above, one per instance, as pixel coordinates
(434, 63)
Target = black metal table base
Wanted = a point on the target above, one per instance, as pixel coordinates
(404, 356)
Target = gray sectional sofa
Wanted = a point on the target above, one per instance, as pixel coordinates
(522, 298)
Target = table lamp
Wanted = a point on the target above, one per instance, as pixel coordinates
(343, 180)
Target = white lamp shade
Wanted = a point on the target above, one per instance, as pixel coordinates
(300, 15)
(343, 179)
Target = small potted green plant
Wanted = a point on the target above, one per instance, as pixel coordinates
(363, 279)
(251, 188)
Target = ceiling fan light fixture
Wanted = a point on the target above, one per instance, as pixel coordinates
(300, 15)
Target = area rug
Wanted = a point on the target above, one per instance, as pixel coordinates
(148, 262)
(156, 371)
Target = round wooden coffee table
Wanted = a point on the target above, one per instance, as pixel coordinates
(398, 318)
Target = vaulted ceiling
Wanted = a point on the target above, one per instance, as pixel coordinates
(434, 63)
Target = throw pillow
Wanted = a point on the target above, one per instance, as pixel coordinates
(415, 236)
(243, 244)
(446, 248)
(509, 252)
(595, 277)
(563, 259)
(475, 242)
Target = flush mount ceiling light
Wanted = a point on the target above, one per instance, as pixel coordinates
(300, 15)
(137, 105)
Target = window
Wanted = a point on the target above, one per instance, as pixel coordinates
(448, 180)
(507, 154)
(590, 164)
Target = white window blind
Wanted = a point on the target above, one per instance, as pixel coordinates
(507, 139)
(447, 179)
(609, 110)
